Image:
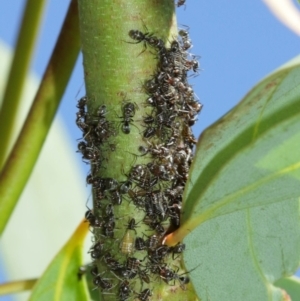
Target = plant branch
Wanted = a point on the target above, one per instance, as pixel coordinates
(18, 73)
(26, 150)
(17, 286)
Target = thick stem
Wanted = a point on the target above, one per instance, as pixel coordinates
(116, 70)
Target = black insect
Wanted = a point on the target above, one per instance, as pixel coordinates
(174, 214)
(137, 198)
(140, 244)
(83, 126)
(179, 248)
(138, 172)
(82, 102)
(112, 263)
(175, 47)
(132, 225)
(194, 105)
(100, 282)
(144, 295)
(139, 37)
(158, 151)
(158, 227)
(149, 132)
(158, 204)
(141, 175)
(156, 43)
(152, 242)
(89, 216)
(128, 113)
(180, 3)
(96, 250)
(170, 275)
(157, 255)
(129, 274)
(133, 263)
(187, 43)
(102, 131)
(109, 210)
(81, 271)
(82, 146)
(149, 209)
(109, 226)
(188, 137)
(158, 101)
(101, 112)
(124, 187)
(110, 184)
(94, 271)
(144, 276)
(124, 291)
(98, 223)
(116, 197)
(97, 182)
(90, 153)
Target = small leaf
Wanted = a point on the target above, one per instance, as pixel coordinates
(250, 157)
(292, 286)
(60, 281)
(241, 254)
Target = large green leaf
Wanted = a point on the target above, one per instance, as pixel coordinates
(250, 157)
(243, 195)
(241, 254)
(60, 281)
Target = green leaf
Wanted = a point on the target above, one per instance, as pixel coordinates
(39, 119)
(241, 254)
(60, 281)
(250, 157)
(243, 195)
(292, 286)
(18, 73)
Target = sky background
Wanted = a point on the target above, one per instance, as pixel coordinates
(239, 42)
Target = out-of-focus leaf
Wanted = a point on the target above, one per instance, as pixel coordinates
(39, 119)
(291, 285)
(286, 12)
(61, 281)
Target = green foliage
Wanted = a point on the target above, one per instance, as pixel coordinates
(242, 200)
(291, 285)
(18, 73)
(34, 132)
(241, 210)
(60, 281)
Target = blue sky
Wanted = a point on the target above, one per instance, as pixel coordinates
(239, 42)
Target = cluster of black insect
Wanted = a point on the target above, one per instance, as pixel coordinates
(154, 188)
(96, 132)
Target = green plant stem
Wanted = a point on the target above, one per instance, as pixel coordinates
(116, 68)
(16, 286)
(18, 73)
(21, 161)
